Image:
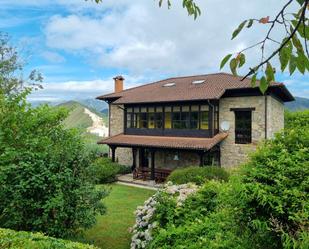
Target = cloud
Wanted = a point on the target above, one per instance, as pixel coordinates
(52, 57)
(68, 90)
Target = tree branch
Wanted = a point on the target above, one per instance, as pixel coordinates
(301, 18)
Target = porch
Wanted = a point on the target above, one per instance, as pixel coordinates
(154, 157)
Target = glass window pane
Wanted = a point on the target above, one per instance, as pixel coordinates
(151, 120)
(129, 109)
(185, 109)
(176, 108)
(194, 108)
(136, 109)
(194, 120)
(151, 109)
(204, 107)
(143, 109)
(129, 115)
(185, 120)
(168, 120)
(204, 121)
(159, 120)
(159, 109)
(168, 109)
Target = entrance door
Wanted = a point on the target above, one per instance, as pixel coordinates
(143, 158)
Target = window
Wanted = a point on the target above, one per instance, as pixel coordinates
(204, 117)
(194, 117)
(243, 127)
(216, 118)
(168, 117)
(212, 157)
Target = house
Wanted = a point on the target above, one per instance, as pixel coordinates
(214, 119)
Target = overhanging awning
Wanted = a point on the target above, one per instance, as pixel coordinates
(186, 143)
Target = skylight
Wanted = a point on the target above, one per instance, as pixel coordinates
(198, 81)
(169, 84)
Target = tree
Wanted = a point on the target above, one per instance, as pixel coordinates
(44, 180)
(45, 184)
(11, 79)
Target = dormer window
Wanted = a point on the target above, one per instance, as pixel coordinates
(170, 84)
(196, 82)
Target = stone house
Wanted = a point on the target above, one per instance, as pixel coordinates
(214, 119)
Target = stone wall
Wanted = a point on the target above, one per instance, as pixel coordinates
(165, 159)
(275, 116)
(234, 154)
(123, 155)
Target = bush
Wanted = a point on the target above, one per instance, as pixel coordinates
(44, 185)
(105, 171)
(276, 182)
(264, 205)
(294, 120)
(197, 175)
(11, 239)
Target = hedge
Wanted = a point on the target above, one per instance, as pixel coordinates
(198, 175)
(10, 239)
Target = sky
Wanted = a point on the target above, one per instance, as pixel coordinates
(79, 46)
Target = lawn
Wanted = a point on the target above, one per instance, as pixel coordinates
(112, 229)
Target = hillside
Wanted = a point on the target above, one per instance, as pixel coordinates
(298, 104)
(92, 123)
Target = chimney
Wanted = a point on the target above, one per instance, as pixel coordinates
(118, 84)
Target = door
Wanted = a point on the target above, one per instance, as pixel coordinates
(143, 158)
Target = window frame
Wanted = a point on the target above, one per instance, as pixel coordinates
(243, 135)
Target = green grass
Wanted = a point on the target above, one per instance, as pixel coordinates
(112, 229)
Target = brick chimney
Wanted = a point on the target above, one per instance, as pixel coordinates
(118, 83)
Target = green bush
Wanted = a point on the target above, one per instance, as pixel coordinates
(264, 205)
(276, 182)
(197, 175)
(103, 170)
(44, 183)
(294, 120)
(10, 239)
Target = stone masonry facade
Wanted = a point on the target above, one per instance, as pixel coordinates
(231, 154)
(234, 154)
(123, 155)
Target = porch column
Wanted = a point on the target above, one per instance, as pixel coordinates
(152, 173)
(113, 148)
(201, 154)
(134, 150)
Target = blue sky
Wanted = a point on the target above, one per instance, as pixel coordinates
(79, 46)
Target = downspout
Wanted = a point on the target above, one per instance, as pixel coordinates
(213, 116)
(265, 101)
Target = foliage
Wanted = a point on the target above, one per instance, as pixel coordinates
(296, 120)
(105, 171)
(276, 183)
(156, 210)
(26, 240)
(11, 80)
(198, 175)
(264, 205)
(44, 185)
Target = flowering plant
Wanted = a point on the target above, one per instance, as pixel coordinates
(145, 215)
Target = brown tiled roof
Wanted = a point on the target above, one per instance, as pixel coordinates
(122, 140)
(214, 87)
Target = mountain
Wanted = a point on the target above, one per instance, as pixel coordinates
(95, 104)
(298, 104)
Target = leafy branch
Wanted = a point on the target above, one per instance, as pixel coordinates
(290, 50)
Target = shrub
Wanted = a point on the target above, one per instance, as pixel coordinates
(294, 120)
(44, 185)
(276, 182)
(26, 240)
(105, 171)
(198, 175)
